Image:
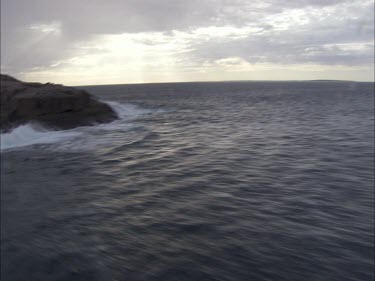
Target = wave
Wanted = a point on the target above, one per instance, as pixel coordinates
(33, 133)
(128, 111)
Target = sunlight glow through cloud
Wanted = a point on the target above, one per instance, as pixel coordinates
(266, 41)
(54, 28)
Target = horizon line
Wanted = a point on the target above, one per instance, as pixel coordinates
(223, 81)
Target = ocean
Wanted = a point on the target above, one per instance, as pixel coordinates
(224, 181)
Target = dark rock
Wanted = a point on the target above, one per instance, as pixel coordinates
(55, 106)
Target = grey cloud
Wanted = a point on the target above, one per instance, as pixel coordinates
(308, 43)
(80, 18)
(84, 19)
(270, 50)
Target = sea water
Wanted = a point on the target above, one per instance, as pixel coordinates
(197, 181)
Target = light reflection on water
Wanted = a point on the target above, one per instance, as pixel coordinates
(211, 181)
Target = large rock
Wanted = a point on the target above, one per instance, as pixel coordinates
(55, 106)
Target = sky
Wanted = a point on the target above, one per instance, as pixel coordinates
(89, 42)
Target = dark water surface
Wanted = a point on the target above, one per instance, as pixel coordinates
(199, 181)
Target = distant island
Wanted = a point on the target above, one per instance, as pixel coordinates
(55, 106)
(329, 80)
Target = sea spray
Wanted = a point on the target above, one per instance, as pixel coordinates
(128, 111)
(33, 133)
(30, 134)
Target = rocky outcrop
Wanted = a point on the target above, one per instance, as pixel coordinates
(55, 106)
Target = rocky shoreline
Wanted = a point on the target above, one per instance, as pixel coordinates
(54, 106)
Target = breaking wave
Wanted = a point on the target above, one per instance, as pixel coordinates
(32, 133)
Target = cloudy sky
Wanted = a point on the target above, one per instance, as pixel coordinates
(82, 42)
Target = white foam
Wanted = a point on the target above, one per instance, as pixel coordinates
(127, 111)
(31, 134)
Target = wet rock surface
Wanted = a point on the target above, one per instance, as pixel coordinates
(54, 106)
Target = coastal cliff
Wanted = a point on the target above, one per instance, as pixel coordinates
(54, 106)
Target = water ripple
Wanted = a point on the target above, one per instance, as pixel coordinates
(240, 181)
